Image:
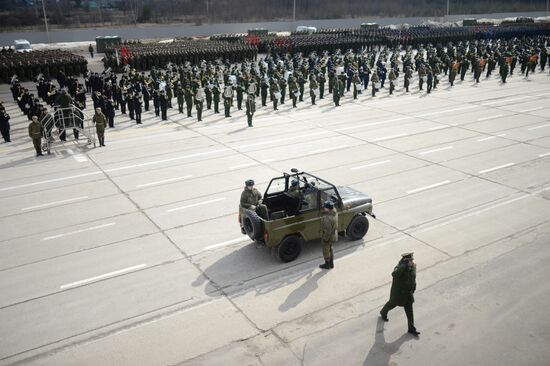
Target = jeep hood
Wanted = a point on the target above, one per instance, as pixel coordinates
(353, 198)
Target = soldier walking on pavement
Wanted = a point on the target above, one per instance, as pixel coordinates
(402, 290)
(35, 133)
(328, 234)
(91, 50)
(250, 108)
(100, 121)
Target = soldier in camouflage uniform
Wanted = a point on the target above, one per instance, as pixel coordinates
(100, 122)
(35, 133)
(328, 233)
(250, 199)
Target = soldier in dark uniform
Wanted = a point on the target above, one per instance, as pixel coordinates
(180, 96)
(240, 92)
(163, 101)
(156, 102)
(250, 109)
(402, 290)
(328, 234)
(137, 108)
(216, 98)
(188, 100)
(110, 113)
(91, 50)
(4, 124)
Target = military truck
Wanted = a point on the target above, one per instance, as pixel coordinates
(291, 208)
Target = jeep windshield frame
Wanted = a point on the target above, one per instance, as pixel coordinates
(303, 178)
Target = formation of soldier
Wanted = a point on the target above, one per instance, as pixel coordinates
(148, 55)
(29, 65)
(279, 78)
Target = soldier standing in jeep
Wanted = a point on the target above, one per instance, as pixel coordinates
(249, 200)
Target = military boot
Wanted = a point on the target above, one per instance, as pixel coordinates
(325, 266)
(331, 263)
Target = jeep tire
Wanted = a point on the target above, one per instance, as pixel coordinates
(290, 248)
(357, 228)
(252, 224)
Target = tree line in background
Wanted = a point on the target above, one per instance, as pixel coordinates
(75, 13)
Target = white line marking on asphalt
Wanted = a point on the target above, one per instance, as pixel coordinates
(438, 128)
(80, 158)
(165, 160)
(463, 216)
(491, 137)
(390, 137)
(369, 165)
(531, 110)
(235, 167)
(490, 117)
(195, 204)
(164, 181)
(78, 231)
(54, 203)
(268, 161)
(100, 277)
(506, 100)
(429, 187)
(372, 124)
(225, 243)
(280, 140)
(48, 181)
(537, 127)
(435, 150)
(327, 150)
(496, 168)
(447, 111)
(543, 155)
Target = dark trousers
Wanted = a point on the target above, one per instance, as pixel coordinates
(138, 117)
(408, 311)
(5, 133)
(164, 110)
(37, 145)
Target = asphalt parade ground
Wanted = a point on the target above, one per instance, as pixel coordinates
(131, 254)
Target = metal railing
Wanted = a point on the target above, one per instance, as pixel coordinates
(62, 119)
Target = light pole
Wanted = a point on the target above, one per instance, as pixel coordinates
(45, 20)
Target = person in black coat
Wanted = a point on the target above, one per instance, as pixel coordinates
(137, 108)
(4, 124)
(163, 100)
(156, 102)
(110, 112)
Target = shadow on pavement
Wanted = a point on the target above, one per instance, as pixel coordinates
(302, 292)
(381, 351)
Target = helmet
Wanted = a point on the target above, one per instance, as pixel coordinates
(329, 205)
(249, 183)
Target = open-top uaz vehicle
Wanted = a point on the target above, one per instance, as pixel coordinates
(287, 218)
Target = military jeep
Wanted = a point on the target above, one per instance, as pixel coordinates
(289, 214)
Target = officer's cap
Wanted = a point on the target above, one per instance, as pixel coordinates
(329, 205)
(407, 255)
(249, 182)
